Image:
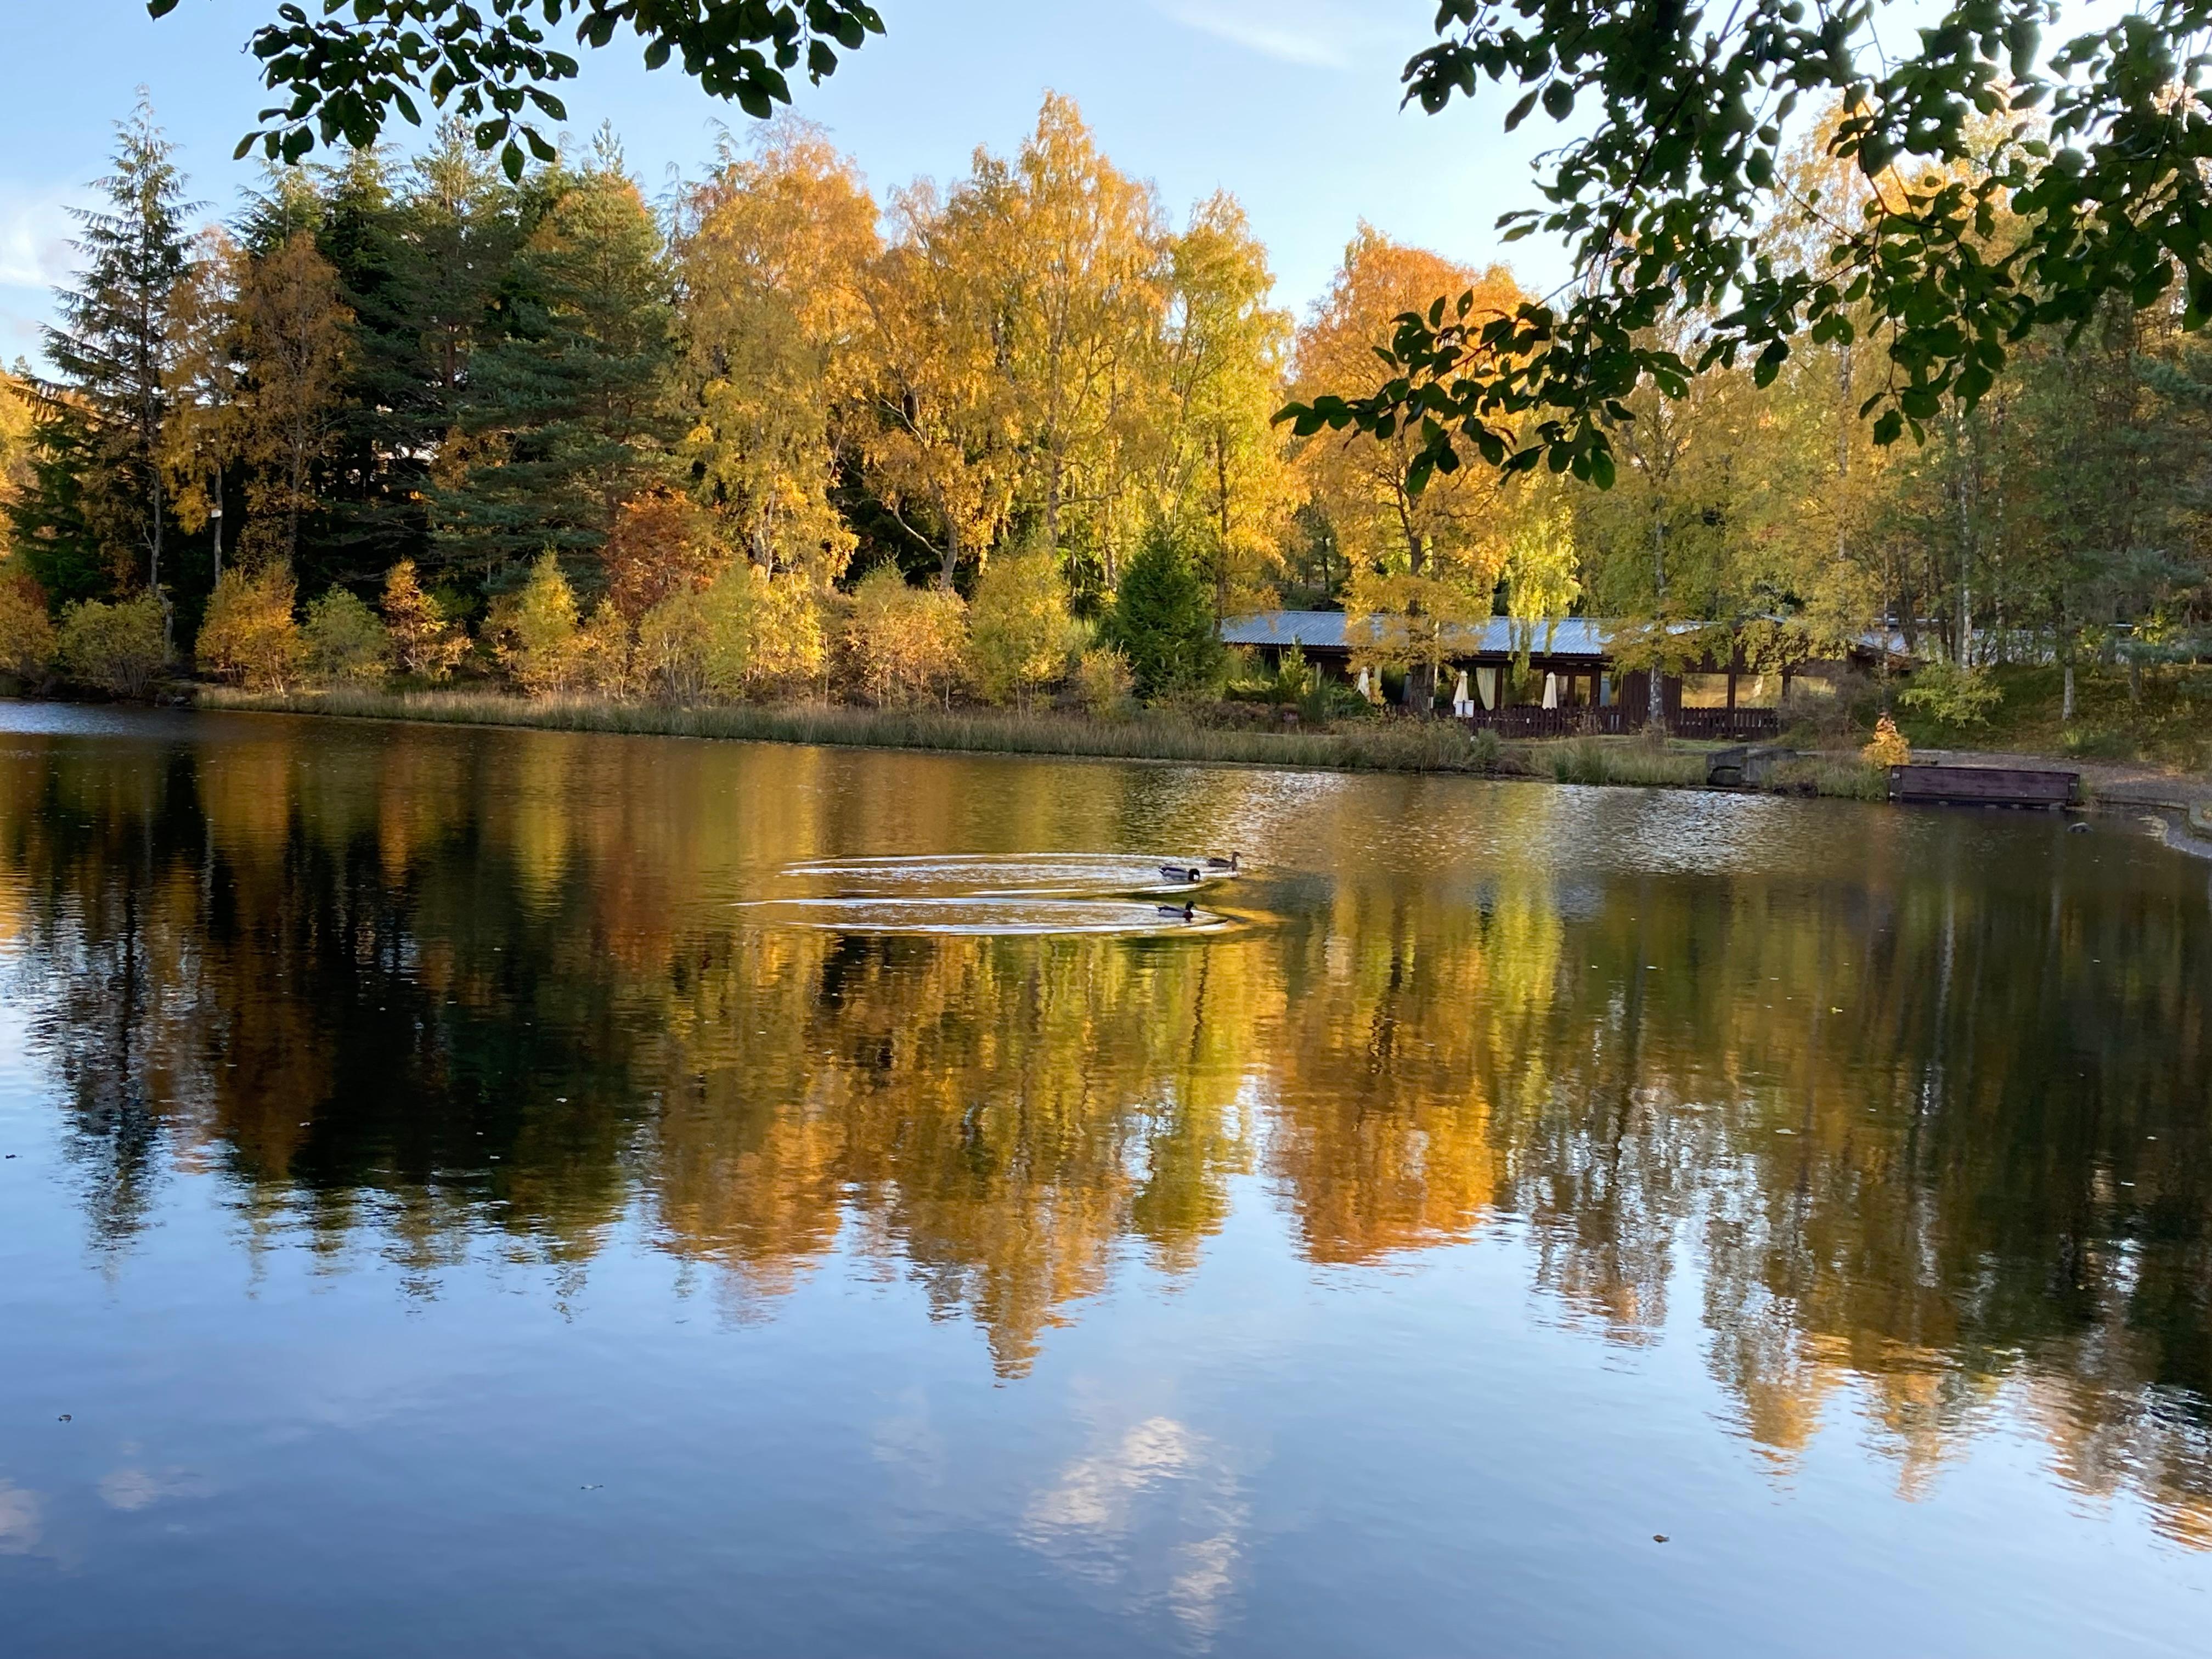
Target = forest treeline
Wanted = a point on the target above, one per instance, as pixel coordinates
(1008, 437)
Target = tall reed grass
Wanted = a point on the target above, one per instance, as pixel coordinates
(1381, 746)
(1362, 746)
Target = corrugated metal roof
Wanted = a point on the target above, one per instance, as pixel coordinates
(1501, 636)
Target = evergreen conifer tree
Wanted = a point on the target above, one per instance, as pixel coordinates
(112, 345)
(50, 527)
(1163, 618)
(570, 414)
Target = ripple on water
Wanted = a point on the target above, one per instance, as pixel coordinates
(984, 914)
(1009, 875)
(985, 894)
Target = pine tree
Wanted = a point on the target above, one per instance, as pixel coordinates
(1163, 618)
(113, 346)
(50, 526)
(570, 414)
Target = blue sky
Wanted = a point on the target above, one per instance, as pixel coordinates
(1291, 104)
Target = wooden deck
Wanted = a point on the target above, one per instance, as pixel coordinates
(1982, 786)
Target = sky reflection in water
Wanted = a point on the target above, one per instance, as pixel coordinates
(456, 1215)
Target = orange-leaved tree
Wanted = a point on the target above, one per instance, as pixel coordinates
(1423, 561)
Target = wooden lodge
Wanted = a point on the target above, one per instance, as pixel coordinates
(1548, 679)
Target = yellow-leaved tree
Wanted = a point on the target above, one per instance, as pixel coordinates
(1423, 565)
(424, 642)
(936, 426)
(1222, 472)
(1080, 279)
(536, 631)
(780, 241)
(1020, 636)
(249, 636)
(904, 641)
(293, 334)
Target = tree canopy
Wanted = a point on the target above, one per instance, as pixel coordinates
(2008, 190)
(492, 64)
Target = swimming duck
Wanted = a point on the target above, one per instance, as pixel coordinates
(1228, 863)
(1180, 871)
(1188, 911)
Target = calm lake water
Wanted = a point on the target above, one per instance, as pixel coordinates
(498, 1192)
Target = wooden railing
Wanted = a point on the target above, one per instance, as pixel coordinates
(1727, 723)
(1523, 720)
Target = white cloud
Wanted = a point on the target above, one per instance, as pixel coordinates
(134, 1488)
(1319, 34)
(18, 1519)
(35, 228)
(1155, 1515)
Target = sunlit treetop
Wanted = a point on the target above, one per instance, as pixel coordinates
(493, 62)
(2011, 190)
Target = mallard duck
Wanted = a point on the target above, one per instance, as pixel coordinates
(1180, 871)
(1188, 912)
(1228, 864)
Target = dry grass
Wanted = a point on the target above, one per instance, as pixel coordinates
(1378, 746)
(1381, 745)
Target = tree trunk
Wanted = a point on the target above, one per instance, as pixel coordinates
(1421, 688)
(1654, 703)
(2066, 705)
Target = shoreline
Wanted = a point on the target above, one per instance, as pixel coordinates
(1438, 747)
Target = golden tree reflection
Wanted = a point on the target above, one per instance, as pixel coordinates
(1916, 1142)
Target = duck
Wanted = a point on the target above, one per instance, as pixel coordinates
(1228, 864)
(1188, 911)
(1180, 871)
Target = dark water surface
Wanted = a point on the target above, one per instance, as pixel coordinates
(497, 1193)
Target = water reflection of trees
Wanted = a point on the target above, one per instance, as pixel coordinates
(1910, 1141)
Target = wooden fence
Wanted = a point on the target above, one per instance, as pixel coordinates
(1616, 720)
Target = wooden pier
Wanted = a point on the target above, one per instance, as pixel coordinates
(1983, 786)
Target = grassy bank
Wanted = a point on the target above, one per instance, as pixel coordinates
(1359, 746)
(2168, 725)
(1382, 746)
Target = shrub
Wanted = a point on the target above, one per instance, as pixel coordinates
(1953, 695)
(697, 645)
(536, 631)
(1017, 624)
(1163, 618)
(346, 645)
(1888, 746)
(1103, 683)
(249, 635)
(27, 633)
(662, 543)
(904, 640)
(1489, 750)
(117, 647)
(671, 656)
(424, 642)
(605, 651)
(789, 646)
